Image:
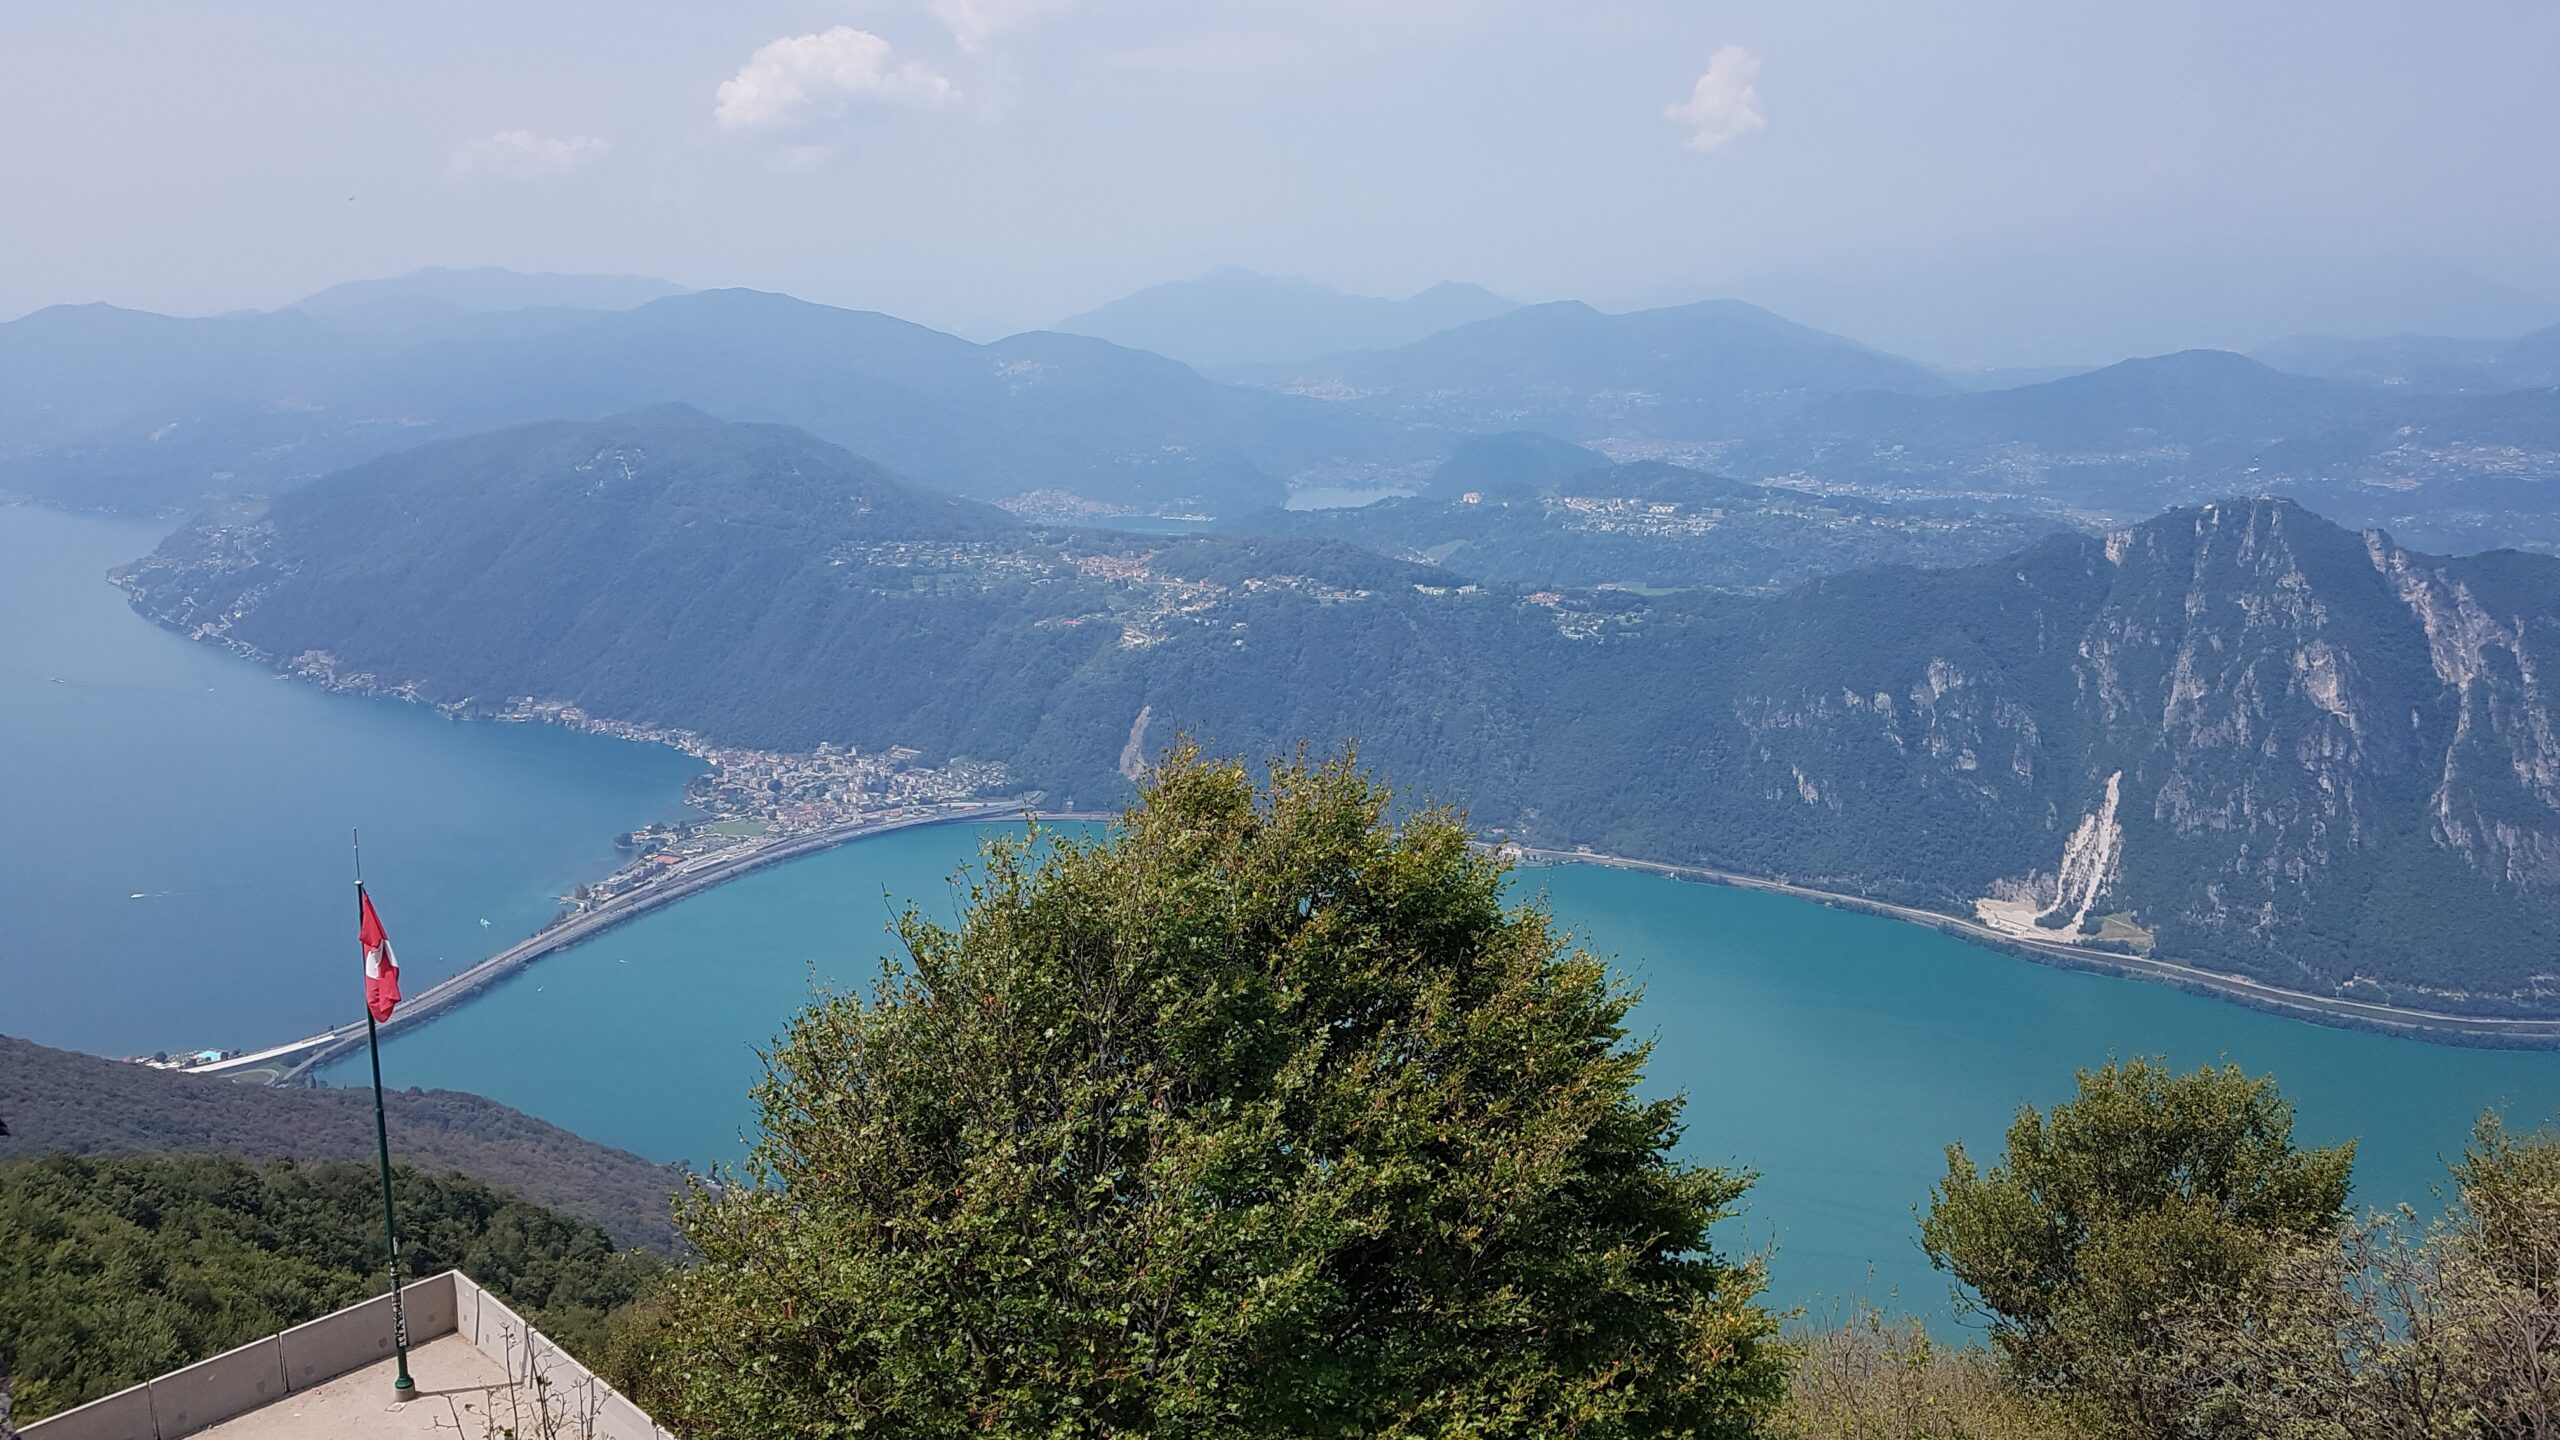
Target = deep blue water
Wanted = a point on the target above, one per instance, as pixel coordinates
(136, 762)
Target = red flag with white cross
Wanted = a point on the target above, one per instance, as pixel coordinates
(381, 970)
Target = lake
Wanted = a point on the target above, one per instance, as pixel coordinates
(1837, 1054)
(174, 868)
(1834, 1053)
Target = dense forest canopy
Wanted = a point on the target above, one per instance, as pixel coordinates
(60, 1102)
(113, 1270)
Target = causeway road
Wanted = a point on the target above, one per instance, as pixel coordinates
(291, 1061)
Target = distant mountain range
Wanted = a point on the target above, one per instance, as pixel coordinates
(2038, 305)
(2461, 471)
(1692, 374)
(110, 409)
(114, 409)
(2238, 731)
(487, 287)
(1235, 317)
(1732, 388)
(2424, 362)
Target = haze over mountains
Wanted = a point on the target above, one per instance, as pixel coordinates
(1232, 317)
(1697, 583)
(2008, 306)
(1690, 372)
(119, 410)
(2241, 732)
(2425, 362)
(487, 287)
(1649, 526)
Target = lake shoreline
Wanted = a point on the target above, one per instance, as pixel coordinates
(2492, 1032)
(2482, 1032)
(2432, 1026)
(578, 928)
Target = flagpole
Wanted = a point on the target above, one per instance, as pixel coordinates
(402, 1387)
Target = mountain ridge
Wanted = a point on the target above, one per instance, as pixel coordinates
(2424, 362)
(1564, 367)
(1232, 316)
(2264, 742)
(112, 410)
(256, 404)
(66, 1102)
(489, 287)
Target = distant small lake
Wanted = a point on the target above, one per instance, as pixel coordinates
(1836, 1054)
(1341, 497)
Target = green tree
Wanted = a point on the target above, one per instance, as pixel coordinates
(1261, 1115)
(115, 1269)
(2147, 1198)
(2445, 1331)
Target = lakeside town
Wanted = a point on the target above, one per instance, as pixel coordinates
(748, 801)
(751, 806)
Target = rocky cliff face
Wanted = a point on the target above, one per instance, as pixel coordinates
(2266, 740)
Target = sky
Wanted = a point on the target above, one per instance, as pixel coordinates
(1979, 184)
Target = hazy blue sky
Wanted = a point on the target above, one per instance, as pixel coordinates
(1980, 183)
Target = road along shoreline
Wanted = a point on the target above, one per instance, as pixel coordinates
(2436, 1026)
(290, 1063)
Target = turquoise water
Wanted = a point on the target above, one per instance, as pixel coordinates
(135, 762)
(1836, 1054)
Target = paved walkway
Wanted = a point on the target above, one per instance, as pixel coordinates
(456, 1385)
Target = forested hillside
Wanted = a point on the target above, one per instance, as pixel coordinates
(2258, 739)
(59, 1101)
(116, 1270)
(1651, 526)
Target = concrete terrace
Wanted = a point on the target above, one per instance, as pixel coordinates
(459, 1389)
(480, 1370)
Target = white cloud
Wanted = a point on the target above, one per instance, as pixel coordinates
(974, 22)
(1725, 105)
(802, 77)
(521, 152)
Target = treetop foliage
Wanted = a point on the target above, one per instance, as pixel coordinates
(2147, 1196)
(2387, 1326)
(1261, 1114)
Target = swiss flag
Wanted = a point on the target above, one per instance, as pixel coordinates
(381, 971)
